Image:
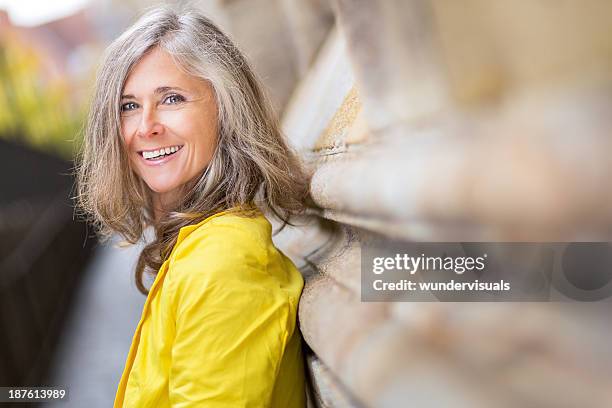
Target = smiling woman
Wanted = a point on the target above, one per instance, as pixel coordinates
(168, 125)
(181, 138)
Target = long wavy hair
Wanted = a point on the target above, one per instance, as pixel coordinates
(252, 163)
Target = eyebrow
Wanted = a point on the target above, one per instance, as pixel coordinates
(158, 90)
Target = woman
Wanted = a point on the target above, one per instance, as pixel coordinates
(181, 138)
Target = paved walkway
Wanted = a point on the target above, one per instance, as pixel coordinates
(92, 352)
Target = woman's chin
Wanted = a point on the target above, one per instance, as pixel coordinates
(160, 185)
(162, 190)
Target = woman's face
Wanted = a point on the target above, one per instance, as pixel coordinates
(168, 124)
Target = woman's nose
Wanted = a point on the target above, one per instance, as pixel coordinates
(149, 124)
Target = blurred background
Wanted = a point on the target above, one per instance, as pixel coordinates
(425, 120)
(58, 290)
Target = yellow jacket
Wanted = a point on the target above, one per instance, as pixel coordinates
(218, 328)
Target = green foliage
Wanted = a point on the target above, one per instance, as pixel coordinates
(36, 108)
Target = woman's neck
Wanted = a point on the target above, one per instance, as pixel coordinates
(161, 203)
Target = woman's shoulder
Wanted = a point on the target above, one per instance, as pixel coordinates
(233, 254)
(239, 231)
(243, 226)
(233, 244)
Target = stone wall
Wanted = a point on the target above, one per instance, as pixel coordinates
(434, 120)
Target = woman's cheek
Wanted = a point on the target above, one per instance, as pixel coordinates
(174, 122)
(125, 135)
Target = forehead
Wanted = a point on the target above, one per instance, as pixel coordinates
(157, 68)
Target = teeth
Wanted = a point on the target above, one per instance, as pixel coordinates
(160, 152)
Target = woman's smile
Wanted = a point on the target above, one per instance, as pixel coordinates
(159, 156)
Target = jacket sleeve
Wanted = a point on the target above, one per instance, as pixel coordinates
(233, 322)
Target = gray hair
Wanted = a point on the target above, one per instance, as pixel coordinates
(252, 164)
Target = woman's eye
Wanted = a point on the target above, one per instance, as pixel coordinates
(126, 107)
(173, 99)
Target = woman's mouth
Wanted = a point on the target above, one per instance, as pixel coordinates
(161, 155)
